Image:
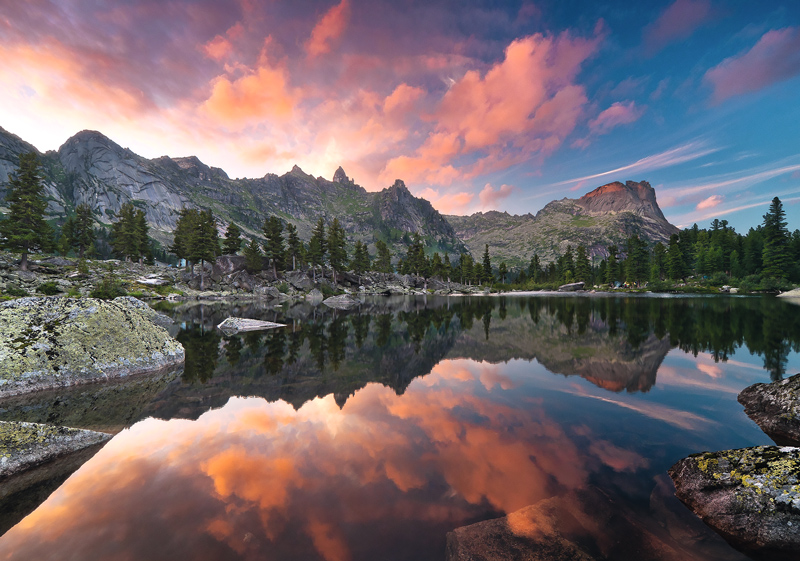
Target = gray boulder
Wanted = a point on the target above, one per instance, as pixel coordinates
(750, 496)
(775, 408)
(227, 265)
(55, 342)
(300, 281)
(315, 295)
(341, 302)
(232, 326)
(269, 293)
(571, 287)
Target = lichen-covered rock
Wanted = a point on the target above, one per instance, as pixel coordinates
(55, 342)
(775, 408)
(750, 496)
(27, 445)
(148, 312)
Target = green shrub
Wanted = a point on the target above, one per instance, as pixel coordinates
(283, 287)
(49, 288)
(73, 293)
(83, 267)
(108, 289)
(719, 279)
(15, 292)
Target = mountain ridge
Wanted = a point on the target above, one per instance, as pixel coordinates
(91, 168)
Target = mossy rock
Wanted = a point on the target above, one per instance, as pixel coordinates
(56, 342)
(775, 407)
(750, 496)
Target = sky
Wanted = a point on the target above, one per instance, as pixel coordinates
(475, 105)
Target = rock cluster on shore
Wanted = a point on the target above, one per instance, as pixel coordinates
(751, 496)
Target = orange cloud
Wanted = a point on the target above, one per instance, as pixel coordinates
(402, 98)
(448, 203)
(218, 48)
(328, 29)
(710, 202)
(490, 196)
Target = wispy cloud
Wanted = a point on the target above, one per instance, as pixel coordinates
(684, 153)
(678, 21)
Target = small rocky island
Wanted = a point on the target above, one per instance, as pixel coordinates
(751, 496)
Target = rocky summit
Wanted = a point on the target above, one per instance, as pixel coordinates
(90, 168)
(55, 342)
(608, 215)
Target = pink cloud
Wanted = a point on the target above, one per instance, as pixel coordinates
(328, 29)
(448, 203)
(678, 21)
(774, 58)
(620, 113)
(218, 48)
(402, 98)
(490, 196)
(710, 202)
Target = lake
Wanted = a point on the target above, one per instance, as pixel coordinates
(372, 433)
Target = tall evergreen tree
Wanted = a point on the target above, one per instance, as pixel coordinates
(233, 240)
(273, 247)
(612, 266)
(129, 233)
(583, 268)
(360, 262)
(253, 257)
(206, 242)
(294, 247)
(317, 246)
(487, 274)
(658, 266)
(383, 263)
(674, 258)
(775, 255)
(78, 230)
(337, 251)
(25, 229)
(184, 235)
(502, 271)
(535, 269)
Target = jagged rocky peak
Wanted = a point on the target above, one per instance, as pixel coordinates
(297, 171)
(631, 196)
(340, 176)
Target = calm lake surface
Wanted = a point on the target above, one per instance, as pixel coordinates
(369, 434)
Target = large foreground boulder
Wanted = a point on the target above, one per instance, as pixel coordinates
(56, 342)
(749, 496)
(775, 408)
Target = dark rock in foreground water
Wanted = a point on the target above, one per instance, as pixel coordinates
(749, 496)
(775, 408)
(56, 342)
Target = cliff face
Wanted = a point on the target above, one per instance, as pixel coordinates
(608, 215)
(92, 169)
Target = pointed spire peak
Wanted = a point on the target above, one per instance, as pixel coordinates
(340, 176)
(399, 184)
(296, 170)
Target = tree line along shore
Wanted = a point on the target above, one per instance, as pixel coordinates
(766, 258)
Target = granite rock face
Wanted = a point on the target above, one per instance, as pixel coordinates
(750, 496)
(55, 342)
(775, 408)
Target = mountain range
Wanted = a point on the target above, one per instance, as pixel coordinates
(90, 168)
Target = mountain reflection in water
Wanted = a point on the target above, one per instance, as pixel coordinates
(370, 434)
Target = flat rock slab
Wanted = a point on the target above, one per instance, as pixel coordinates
(24, 446)
(585, 525)
(750, 496)
(572, 287)
(231, 326)
(775, 408)
(794, 293)
(341, 302)
(56, 342)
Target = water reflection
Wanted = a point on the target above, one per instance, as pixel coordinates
(372, 433)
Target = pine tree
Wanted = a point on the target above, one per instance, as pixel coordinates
(337, 252)
(383, 264)
(535, 269)
(360, 262)
(437, 265)
(502, 271)
(253, 257)
(294, 247)
(447, 268)
(273, 247)
(659, 267)
(184, 235)
(487, 274)
(317, 247)
(129, 233)
(78, 231)
(583, 268)
(206, 242)
(775, 255)
(674, 258)
(25, 229)
(612, 266)
(233, 240)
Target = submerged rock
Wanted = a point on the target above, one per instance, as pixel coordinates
(775, 408)
(750, 496)
(55, 342)
(232, 326)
